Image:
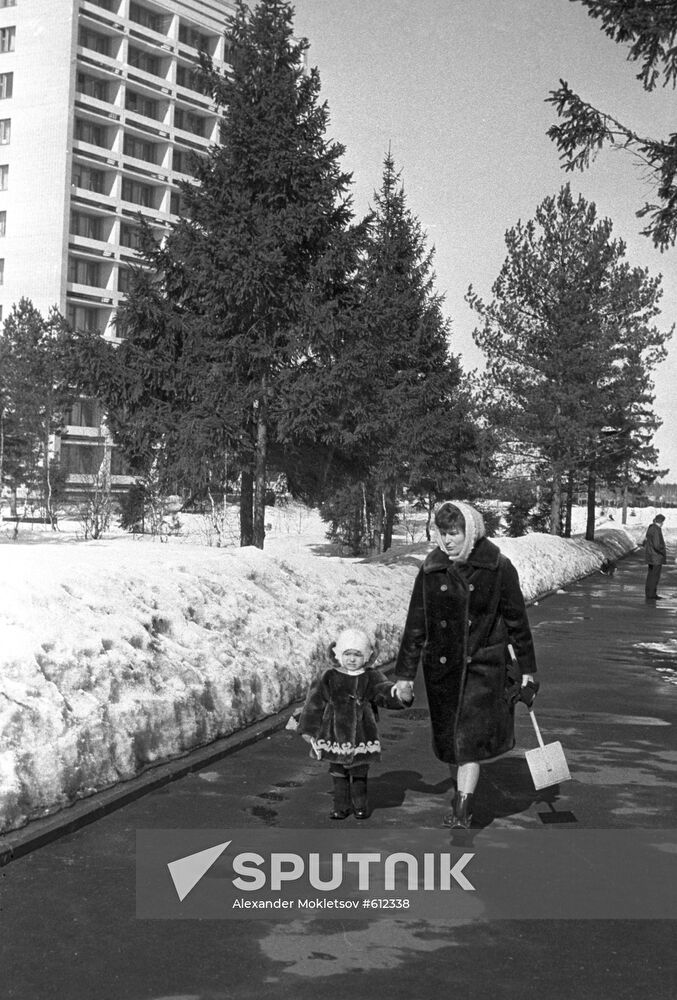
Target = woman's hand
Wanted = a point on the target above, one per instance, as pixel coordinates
(529, 690)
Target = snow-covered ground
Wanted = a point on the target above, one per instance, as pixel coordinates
(121, 653)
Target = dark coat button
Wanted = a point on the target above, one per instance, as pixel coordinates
(471, 587)
(444, 587)
(443, 659)
(443, 624)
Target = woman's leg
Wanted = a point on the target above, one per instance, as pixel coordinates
(460, 816)
(468, 776)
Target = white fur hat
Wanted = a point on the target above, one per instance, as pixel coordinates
(353, 638)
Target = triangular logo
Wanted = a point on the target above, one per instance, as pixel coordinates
(187, 872)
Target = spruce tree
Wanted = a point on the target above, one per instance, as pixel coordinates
(213, 332)
(35, 395)
(397, 392)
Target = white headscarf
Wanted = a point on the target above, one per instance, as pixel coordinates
(474, 529)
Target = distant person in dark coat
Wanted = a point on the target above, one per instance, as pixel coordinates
(466, 609)
(655, 554)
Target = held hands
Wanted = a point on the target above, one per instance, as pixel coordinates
(307, 737)
(404, 690)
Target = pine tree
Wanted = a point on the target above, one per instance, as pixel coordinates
(569, 341)
(650, 29)
(214, 331)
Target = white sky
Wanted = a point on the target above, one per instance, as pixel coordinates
(457, 87)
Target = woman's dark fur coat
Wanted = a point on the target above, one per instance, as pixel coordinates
(461, 618)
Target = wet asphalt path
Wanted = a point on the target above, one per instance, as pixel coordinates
(609, 685)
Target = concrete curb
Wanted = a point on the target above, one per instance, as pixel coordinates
(40, 832)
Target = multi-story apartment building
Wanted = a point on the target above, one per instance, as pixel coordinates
(99, 113)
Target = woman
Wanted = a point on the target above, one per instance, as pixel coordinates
(466, 609)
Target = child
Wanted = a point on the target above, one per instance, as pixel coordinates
(339, 719)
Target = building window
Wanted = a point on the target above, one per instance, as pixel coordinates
(7, 3)
(142, 105)
(7, 37)
(189, 122)
(83, 318)
(180, 161)
(90, 180)
(130, 236)
(111, 5)
(85, 412)
(5, 131)
(4, 177)
(6, 85)
(89, 226)
(84, 272)
(118, 463)
(89, 39)
(134, 191)
(143, 61)
(2, 270)
(146, 18)
(81, 459)
(125, 276)
(92, 86)
(139, 149)
(175, 203)
(184, 75)
(89, 132)
(3, 223)
(191, 36)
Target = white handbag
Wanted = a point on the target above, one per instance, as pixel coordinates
(547, 762)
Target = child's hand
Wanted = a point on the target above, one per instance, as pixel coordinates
(404, 690)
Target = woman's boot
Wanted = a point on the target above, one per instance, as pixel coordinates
(359, 795)
(460, 816)
(342, 805)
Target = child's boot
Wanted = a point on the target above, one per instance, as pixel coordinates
(342, 805)
(359, 795)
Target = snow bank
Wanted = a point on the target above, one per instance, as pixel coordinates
(118, 654)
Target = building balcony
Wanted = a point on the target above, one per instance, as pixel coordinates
(96, 108)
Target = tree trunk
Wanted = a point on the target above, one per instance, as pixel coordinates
(569, 504)
(625, 498)
(555, 505)
(49, 508)
(247, 507)
(260, 471)
(377, 531)
(2, 446)
(429, 505)
(592, 496)
(391, 508)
